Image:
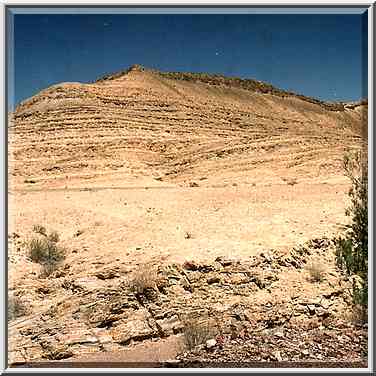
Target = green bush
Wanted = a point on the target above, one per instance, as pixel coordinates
(352, 249)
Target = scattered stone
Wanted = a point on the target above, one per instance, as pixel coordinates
(210, 343)
(106, 274)
(81, 340)
(257, 327)
(224, 261)
(78, 233)
(187, 235)
(238, 279)
(193, 184)
(311, 309)
(213, 279)
(58, 353)
(190, 265)
(279, 334)
(171, 325)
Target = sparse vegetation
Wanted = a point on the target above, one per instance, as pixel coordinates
(48, 268)
(54, 237)
(16, 308)
(352, 248)
(197, 332)
(144, 279)
(358, 314)
(39, 229)
(47, 252)
(316, 271)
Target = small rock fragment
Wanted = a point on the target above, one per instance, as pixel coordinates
(214, 279)
(210, 343)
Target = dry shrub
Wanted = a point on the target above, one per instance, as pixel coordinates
(197, 332)
(316, 271)
(39, 229)
(16, 308)
(48, 269)
(54, 237)
(358, 314)
(47, 253)
(144, 279)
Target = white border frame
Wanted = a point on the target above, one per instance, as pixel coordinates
(266, 3)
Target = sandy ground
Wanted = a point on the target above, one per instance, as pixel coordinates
(174, 224)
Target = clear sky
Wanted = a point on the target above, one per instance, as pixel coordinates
(318, 55)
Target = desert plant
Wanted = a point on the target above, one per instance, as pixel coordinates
(144, 279)
(316, 271)
(352, 249)
(37, 249)
(48, 268)
(54, 236)
(197, 332)
(47, 253)
(39, 229)
(16, 308)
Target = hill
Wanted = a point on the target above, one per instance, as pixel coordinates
(177, 127)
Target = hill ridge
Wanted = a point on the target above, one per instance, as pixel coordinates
(229, 81)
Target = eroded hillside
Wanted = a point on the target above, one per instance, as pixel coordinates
(143, 123)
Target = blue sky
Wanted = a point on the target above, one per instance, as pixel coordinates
(318, 55)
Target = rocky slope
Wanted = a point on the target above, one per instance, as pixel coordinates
(175, 126)
(227, 312)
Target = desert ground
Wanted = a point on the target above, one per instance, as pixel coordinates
(217, 194)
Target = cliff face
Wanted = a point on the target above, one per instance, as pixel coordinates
(176, 125)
